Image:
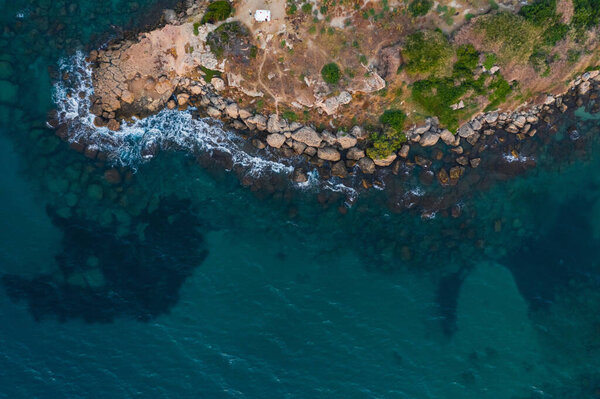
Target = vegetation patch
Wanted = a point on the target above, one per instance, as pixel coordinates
(331, 73)
(426, 52)
(217, 11)
(500, 91)
(419, 8)
(210, 73)
(586, 13)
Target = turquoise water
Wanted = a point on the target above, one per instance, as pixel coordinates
(180, 282)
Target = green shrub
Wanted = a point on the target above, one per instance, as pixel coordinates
(307, 8)
(469, 17)
(573, 56)
(426, 52)
(253, 51)
(217, 11)
(383, 144)
(291, 9)
(419, 8)
(555, 33)
(467, 60)
(393, 118)
(490, 61)
(331, 73)
(500, 91)
(539, 12)
(586, 13)
(210, 73)
(196, 28)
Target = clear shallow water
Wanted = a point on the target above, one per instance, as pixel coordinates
(181, 283)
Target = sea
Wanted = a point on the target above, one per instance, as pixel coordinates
(170, 276)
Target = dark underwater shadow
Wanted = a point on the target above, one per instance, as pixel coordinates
(104, 276)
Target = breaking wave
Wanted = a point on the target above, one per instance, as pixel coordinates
(138, 141)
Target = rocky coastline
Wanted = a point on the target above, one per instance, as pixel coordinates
(440, 154)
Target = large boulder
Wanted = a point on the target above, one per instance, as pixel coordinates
(366, 165)
(276, 124)
(275, 140)
(345, 140)
(259, 121)
(328, 154)
(355, 154)
(232, 110)
(428, 139)
(387, 161)
(307, 136)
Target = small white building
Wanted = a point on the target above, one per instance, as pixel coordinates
(262, 15)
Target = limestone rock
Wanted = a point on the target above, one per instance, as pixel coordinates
(359, 132)
(366, 165)
(339, 169)
(387, 161)
(217, 83)
(447, 137)
(345, 140)
(276, 124)
(182, 98)
(466, 130)
(404, 151)
(328, 154)
(232, 110)
(213, 112)
(355, 154)
(275, 140)
(307, 136)
(244, 114)
(429, 139)
(259, 121)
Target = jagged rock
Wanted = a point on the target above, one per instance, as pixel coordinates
(458, 150)
(512, 128)
(171, 104)
(310, 151)
(403, 153)
(113, 125)
(466, 130)
(429, 139)
(520, 121)
(276, 124)
(462, 161)
(217, 83)
(447, 137)
(238, 125)
(359, 132)
(473, 138)
(457, 106)
(422, 161)
(549, 100)
(127, 97)
(196, 90)
(182, 98)
(475, 162)
(491, 117)
(244, 114)
(443, 176)
(422, 129)
(355, 154)
(331, 104)
(345, 140)
(275, 140)
(232, 110)
(584, 87)
(366, 165)
(298, 147)
(328, 137)
(532, 119)
(339, 169)
(213, 112)
(259, 121)
(476, 125)
(387, 161)
(369, 84)
(456, 172)
(299, 176)
(307, 136)
(494, 69)
(328, 154)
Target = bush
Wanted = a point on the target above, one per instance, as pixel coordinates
(539, 12)
(383, 144)
(467, 61)
(586, 13)
(291, 10)
(490, 61)
(196, 28)
(331, 73)
(217, 11)
(419, 8)
(393, 118)
(306, 8)
(501, 89)
(426, 52)
(436, 95)
(555, 33)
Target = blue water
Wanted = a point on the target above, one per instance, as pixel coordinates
(179, 282)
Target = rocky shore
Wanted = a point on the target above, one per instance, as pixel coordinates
(196, 80)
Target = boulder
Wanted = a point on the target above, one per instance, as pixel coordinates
(307, 136)
(213, 112)
(447, 137)
(339, 169)
(299, 176)
(428, 139)
(244, 114)
(276, 124)
(491, 117)
(298, 147)
(232, 110)
(345, 140)
(218, 83)
(328, 137)
(403, 153)
(584, 87)
(355, 154)
(328, 154)
(113, 125)
(366, 165)
(465, 130)
(127, 97)
(182, 98)
(258, 144)
(387, 161)
(476, 125)
(520, 121)
(259, 121)
(275, 140)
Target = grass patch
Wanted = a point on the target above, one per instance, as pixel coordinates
(426, 52)
(500, 91)
(217, 11)
(196, 28)
(331, 73)
(291, 116)
(489, 61)
(210, 73)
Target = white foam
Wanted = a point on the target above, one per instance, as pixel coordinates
(519, 158)
(167, 129)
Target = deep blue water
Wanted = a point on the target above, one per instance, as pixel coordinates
(179, 282)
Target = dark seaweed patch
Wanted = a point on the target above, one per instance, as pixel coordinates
(104, 276)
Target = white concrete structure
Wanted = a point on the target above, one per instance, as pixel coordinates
(262, 15)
